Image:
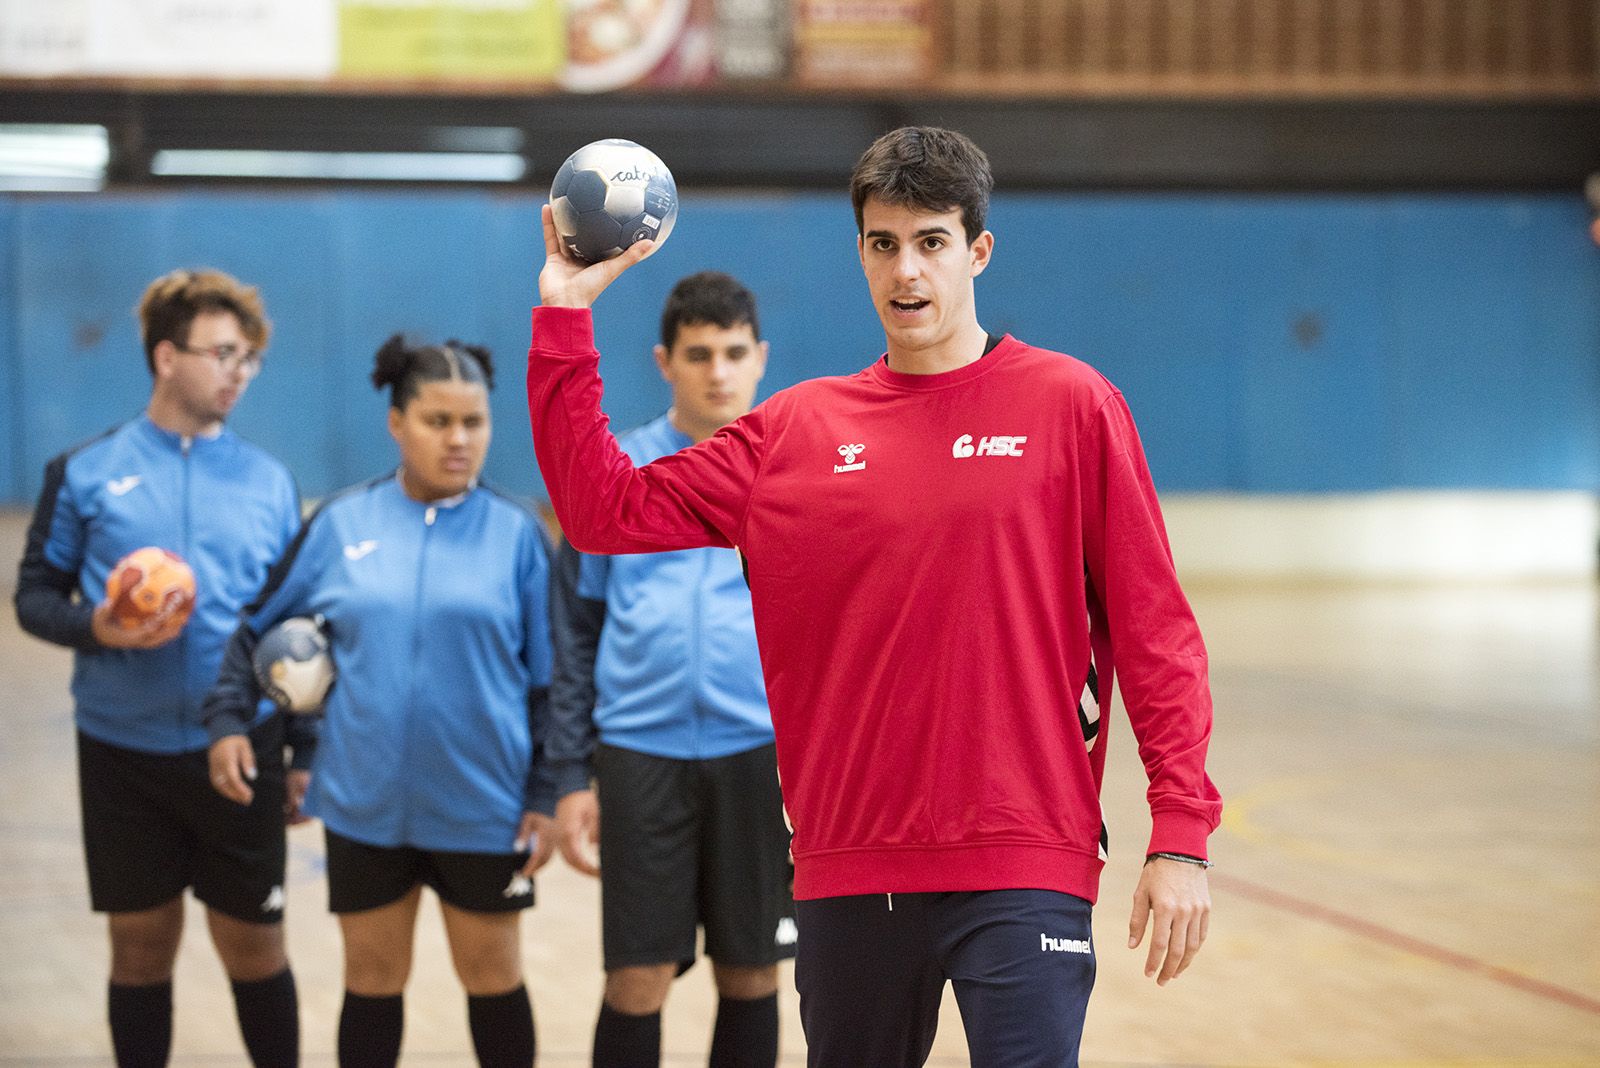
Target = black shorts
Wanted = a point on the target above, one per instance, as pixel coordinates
(687, 843)
(153, 825)
(362, 877)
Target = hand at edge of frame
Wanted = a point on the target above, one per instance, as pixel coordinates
(536, 834)
(1173, 899)
(295, 784)
(232, 764)
(565, 282)
(578, 830)
(152, 633)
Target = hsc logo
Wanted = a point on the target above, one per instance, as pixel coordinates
(989, 445)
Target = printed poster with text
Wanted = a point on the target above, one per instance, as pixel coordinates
(887, 43)
(452, 40)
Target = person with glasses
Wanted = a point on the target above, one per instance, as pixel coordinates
(177, 478)
(433, 589)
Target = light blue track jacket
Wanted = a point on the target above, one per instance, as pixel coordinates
(437, 618)
(655, 652)
(224, 505)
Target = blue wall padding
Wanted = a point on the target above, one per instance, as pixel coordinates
(1268, 344)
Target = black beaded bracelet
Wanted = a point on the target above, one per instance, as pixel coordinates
(1181, 858)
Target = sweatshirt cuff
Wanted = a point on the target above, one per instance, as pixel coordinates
(564, 331)
(570, 776)
(220, 725)
(1179, 832)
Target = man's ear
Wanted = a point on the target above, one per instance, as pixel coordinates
(981, 250)
(162, 357)
(663, 357)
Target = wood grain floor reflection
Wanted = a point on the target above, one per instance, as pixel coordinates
(1408, 869)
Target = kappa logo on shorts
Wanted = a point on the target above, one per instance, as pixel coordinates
(989, 445)
(787, 934)
(274, 901)
(117, 487)
(850, 452)
(519, 886)
(360, 549)
(1064, 945)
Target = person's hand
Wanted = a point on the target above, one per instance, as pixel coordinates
(1174, 900)
(578, 830)
(151, 633)
(566, 282)
(295, 785)
(536, 834)
(233, 768)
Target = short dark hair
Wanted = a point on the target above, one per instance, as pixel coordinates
(926, 168)
(402, 367)
(170, 304)
(708, 297)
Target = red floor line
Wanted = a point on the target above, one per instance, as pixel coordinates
(1378, 933)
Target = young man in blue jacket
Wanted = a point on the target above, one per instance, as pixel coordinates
(657, 699)
(175, 477)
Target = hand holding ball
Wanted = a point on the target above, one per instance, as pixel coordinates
(610, 194)
(294, 666)
(150, 584)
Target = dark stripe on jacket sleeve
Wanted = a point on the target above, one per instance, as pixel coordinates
(575, 624)
(230, 707)
(45, 601)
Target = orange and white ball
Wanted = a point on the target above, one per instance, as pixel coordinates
(148, 583)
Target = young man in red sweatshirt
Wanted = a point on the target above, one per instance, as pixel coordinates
(951, 556)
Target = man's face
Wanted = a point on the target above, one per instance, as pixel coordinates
(204, 385)
(713, 371)
(919, 271)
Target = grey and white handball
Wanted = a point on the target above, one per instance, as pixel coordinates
(294, 666)
(610, 194)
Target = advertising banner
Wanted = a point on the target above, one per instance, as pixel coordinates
(614, 43)
(43, 40)
(863, 42)
(452, 40)
(226, 39)
(752, 38)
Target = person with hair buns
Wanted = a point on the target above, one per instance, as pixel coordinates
(177, 478)
(432, 588)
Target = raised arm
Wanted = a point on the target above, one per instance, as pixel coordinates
(693, 498)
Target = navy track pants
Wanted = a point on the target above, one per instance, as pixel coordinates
(871, 972)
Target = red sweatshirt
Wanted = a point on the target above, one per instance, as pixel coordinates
(934, 560)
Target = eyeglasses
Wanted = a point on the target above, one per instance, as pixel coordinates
(229, 357)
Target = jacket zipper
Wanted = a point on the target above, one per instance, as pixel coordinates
(428, 518)
(184, 445)
(696, 596)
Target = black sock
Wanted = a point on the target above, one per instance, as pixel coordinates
(141, 1023)
(502, 1028)
(624, 1041)
(369, 1031)
(269, 1019)
(746, 1035)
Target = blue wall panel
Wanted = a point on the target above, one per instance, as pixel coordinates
(1265, 344)
(1310, 354)
(80, 267)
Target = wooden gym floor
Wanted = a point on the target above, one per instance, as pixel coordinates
(1408, 871)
